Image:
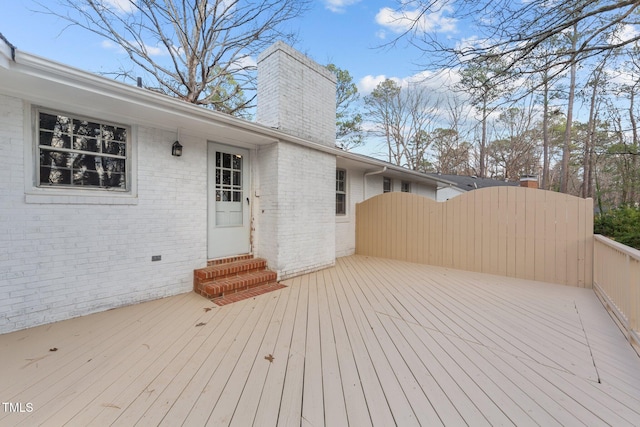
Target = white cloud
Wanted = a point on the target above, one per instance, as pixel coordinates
(369, 83)
(246, 61)
(109, 45)
(401, 21)
(151, 50)
(338, 6)
(435, 81)
(627, 32)
(156, 51)
(122, 6)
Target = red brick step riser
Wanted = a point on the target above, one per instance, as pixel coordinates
(228, 276)
(216, 291)
(228, 260)
(230, 269)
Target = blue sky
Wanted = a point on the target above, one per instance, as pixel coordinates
(348, 33)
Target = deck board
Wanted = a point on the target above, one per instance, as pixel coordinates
(367, 342)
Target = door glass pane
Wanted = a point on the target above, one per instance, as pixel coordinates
(229, 195)
(237, 162)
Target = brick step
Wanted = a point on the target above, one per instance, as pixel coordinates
(230, 285)
(229, 259)
(246, 294)
(229, 269)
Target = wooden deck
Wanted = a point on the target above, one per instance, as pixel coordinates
(369, 342)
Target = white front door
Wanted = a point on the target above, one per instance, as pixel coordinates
(228, 201)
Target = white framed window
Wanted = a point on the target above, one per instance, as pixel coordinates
(76, 152)
(405, 187)
(387, 185)
(341, 192)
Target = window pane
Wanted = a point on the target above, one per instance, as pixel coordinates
(237, 162)
(218, 161)
(57, 124)
(226, 178)
(48, 121)
(340, 204)
(45, 138)
(85, 128)
(115, 148)
(114, 172)
(55, 176)
(81, 177)
(237, 196)
(85, 144)
(85, 162)
(226, 160)
(58, 141)
(56, 159)
(66, 160)
(237, 180)
(120, 134)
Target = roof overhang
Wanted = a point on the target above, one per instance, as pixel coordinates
(48, 83)
(372, 165)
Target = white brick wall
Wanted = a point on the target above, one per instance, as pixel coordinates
(295, 225)
(64, 260)
(296, 95)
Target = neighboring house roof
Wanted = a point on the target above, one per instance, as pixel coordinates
(39, 80)
(468, 183)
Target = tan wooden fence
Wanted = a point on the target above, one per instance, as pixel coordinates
(511, 231)
(616, 280)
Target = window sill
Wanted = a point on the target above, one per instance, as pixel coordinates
(342, 218)
(80, 198)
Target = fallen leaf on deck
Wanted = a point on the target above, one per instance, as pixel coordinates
(110, 405)
(207, 309)
(270, 358)
(53, 349)
(201, 324)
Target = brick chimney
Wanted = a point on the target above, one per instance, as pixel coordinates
(296, 95)
(529, 181)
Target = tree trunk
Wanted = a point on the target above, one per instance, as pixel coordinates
(483, 140)
(566, 150)
(633, 196)
(545, 136)
(590, 141)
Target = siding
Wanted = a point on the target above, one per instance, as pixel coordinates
(61, 260)
(295, 223)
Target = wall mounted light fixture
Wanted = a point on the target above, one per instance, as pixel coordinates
(176, 149)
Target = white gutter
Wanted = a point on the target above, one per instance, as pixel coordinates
(364, 180)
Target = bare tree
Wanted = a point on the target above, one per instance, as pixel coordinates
(478, 80)
(515, 152)
(199, 51)
(566, 149)
(516, 30)
(404, 117)
(452, 151)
